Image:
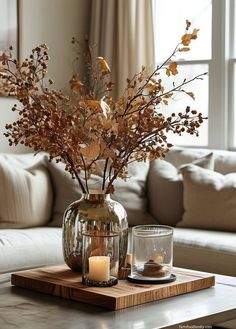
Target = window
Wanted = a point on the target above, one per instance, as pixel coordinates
(215, 52)
(8, 33)
(8, 25)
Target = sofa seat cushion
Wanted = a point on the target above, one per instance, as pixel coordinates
(27, 248)
(204, 250)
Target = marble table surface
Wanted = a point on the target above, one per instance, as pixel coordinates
(24, 309)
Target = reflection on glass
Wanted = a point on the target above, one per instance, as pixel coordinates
(169, 22)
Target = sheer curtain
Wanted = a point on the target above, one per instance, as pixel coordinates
(122, 31)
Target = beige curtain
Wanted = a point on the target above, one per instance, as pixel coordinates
(122, 31)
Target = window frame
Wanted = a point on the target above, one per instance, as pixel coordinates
(231, 76)
(218, 78)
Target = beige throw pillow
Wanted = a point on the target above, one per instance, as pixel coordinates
(25, 194)
(131, 193)
(209, 199)
(165, 189)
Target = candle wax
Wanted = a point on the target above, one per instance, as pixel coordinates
(159, 258)
(99, 268)
(129, 259)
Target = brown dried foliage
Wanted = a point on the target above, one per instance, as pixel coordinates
(87, 131)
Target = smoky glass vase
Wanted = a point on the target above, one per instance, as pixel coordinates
(95, 211)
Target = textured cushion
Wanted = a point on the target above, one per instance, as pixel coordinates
(25, 193)
(165, 189)
(131, 193)
(27, 248)
(209, 199)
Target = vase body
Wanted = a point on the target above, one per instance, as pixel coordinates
(94, 211)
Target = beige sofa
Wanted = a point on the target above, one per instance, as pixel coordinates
(190, 189)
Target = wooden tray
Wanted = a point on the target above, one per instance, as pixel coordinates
(61, 281)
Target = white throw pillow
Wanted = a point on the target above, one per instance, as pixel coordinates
(165, 189)
(209, 199)
(130, 193)
(25, 194)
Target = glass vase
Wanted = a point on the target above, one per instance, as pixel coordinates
(95, 211)
(152, 254)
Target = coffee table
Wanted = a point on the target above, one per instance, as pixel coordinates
(24, 309)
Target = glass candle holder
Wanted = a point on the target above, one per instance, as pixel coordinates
(152, 254)
(100, 258)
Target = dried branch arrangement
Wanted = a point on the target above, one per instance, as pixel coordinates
(85, 128)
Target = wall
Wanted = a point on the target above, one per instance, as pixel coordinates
(53, 22)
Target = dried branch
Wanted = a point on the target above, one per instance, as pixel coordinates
(82, 127)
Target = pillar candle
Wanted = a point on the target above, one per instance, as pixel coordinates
(129, 259)
(99, 268)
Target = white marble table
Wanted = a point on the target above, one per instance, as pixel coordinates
(26, 309)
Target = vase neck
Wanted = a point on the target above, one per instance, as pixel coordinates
(96, 195)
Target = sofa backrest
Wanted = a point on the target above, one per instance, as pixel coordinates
(36, 192)
(224, 161)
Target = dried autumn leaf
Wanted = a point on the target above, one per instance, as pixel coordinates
(114, 127)
(168, 95)
(109, 86)
(95, 105)
(91, 124)
(184, 49)
(165, 101)
(162, 89)
(107, 125)
(194, 34)
(186, 38)
(109, 153)
(91, 152)
(191, 94)
(104, 66)
(172, 69)
(89, 103)
(4, 57)
(151, 85)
